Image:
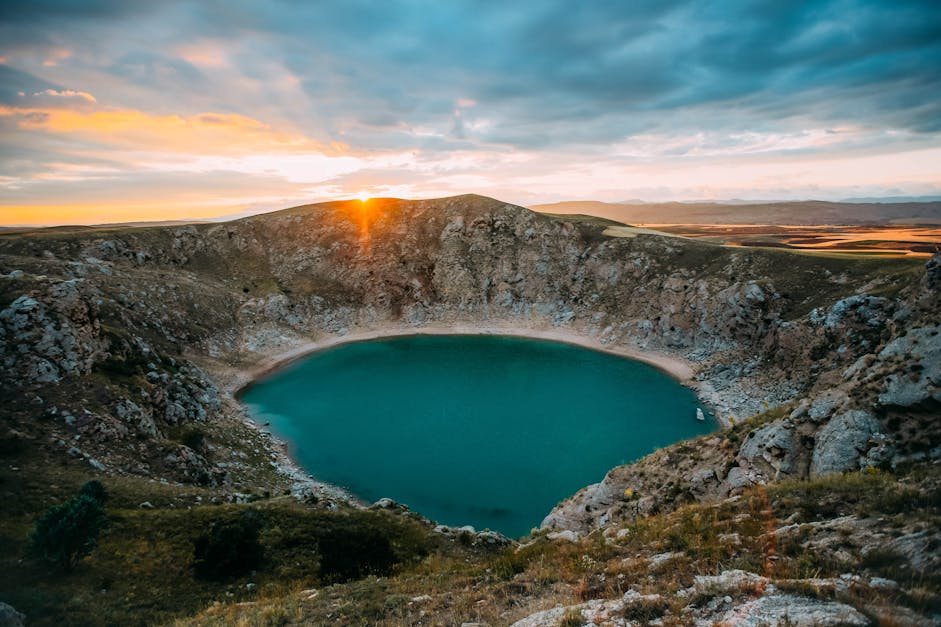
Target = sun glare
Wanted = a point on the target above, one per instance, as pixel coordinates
(363, 196)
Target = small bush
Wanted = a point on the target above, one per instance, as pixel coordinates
(230, 548)
(645, 610)
(193, 438)
(347, 554)
(572, 618)
(67, 533)
(95, 490)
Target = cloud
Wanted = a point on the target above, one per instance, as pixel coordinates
(553, 73)
(204, 133)
(67, 93)
(546, 94)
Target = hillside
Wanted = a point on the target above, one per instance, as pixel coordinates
(811, 212)
(121, 349)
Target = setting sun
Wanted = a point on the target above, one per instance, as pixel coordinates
(362, 196)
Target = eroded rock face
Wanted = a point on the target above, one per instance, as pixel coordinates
(915, 359)
(933, 273)
(237, 292)
(789, 609)
(843, 442)
(42, 341)
(773, 448)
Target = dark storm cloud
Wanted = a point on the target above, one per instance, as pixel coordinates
(64, 11)
(540, 73)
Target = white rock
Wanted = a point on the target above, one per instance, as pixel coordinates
(567, 534)
(786, 609)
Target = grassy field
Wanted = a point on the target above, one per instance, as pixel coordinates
(883, 241)
(700, 538)
(367, 567)
(142, 569)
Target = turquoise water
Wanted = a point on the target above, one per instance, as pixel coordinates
(487, 431)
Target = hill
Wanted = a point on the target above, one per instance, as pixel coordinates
(811, 212)
(121, 350)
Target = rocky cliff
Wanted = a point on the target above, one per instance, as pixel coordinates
(148, 322)
(121, 348)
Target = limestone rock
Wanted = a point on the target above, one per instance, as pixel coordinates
(919, 381)
(42, 342)
(842, 442)
(823, 406)
(787, 609)
(568, 535)
(772, 448)
(740, 478)
(933, 272)
(594, 612)
(728, 581)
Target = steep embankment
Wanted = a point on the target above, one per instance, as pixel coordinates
(120, 347)
(761, 327)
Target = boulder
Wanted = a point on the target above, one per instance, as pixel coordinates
(824, 405)
(9, 617)
(920, 351)
(842, 442)
(788, 609)
(933, 272)
(773, 449)
(568, 535)
(740, 478)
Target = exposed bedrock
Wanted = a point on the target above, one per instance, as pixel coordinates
(133, 332)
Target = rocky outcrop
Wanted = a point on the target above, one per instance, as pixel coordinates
(44, 340)
(915, 363)
(9, 617)
(141, 307)
(843, 441)
(772, 450)
(732, 597)
(118, 349)
(933, 273)
(788, 609)
(597, 611)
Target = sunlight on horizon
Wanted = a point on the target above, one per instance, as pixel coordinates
(99, 127)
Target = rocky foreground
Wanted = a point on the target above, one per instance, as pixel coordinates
(120, 349)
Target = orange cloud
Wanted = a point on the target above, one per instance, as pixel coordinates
(206, 54)
(205, 133)
(56, 55)
(67, 93)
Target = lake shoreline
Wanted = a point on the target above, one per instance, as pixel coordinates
(677, 368)
(633, 408)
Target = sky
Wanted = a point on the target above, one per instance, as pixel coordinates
(125, 110)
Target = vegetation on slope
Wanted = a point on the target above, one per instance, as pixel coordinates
(657, 555)
(122, 318)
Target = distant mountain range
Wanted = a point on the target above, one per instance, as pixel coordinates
(807, 212)
(765, 201)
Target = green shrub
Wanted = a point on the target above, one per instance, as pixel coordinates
(67, 533)
(347, 554)
(95, 490)
(230, 548)
(193, 438)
